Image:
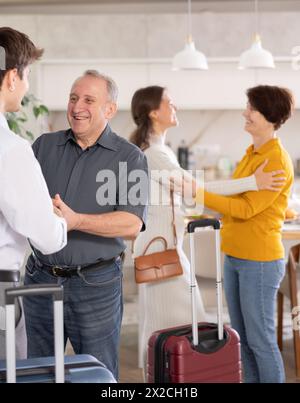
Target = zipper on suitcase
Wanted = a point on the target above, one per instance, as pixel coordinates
(162, 358)
(160, 362)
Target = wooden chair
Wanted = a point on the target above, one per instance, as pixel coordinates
(290, 287)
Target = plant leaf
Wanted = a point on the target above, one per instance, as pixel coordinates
(22, 119)
(36, 111)
(30, 135)
(16, 120)
(44, 110)
(25, 100)
(14, 126)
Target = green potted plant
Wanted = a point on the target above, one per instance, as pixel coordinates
(17, 120)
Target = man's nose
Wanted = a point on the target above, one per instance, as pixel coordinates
(77, 106)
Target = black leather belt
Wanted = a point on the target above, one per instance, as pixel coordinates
(9, 276)
(69, 271)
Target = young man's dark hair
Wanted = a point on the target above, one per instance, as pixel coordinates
(19, 51)
(274, 103)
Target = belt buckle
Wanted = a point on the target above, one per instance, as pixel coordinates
(55, 270)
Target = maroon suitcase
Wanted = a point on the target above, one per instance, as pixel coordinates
(203, 352)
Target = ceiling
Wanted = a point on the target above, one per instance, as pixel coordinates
(140, 6)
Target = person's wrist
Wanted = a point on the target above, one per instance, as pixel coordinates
(257, 181)
(78, 221)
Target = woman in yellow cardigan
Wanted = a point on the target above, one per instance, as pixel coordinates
(251, 237)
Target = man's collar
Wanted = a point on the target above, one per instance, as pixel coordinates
(3, 121)
(68, 135)
(105, 139)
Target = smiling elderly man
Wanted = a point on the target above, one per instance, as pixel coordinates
(89, 267)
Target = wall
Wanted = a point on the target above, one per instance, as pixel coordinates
(95, 35)
(225, 128)
(98, 36)
(154, 35)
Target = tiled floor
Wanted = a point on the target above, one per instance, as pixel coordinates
(129, 371)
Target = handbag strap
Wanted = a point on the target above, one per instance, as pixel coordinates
(161, 238)
(173, 218)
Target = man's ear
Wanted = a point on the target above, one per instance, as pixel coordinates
(10, 78)
(110, 110)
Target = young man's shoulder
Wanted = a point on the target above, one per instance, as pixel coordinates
(9, 140)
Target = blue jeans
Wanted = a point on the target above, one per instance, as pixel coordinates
(251, 289)
(93, 309)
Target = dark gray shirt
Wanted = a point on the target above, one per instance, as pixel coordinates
(92, 181)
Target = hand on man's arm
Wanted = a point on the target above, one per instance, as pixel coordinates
(110, 225)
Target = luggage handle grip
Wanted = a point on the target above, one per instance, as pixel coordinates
(12, 293)
(205, 222)
(34, 290)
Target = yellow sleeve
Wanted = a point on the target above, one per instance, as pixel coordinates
(245, 205)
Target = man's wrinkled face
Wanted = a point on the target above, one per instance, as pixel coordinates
(89, 106)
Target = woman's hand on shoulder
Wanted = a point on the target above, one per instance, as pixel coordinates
(269, 180)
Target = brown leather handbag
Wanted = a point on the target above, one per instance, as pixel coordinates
(159, 265)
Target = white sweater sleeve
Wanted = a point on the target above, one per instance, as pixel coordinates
(232, 186)
(164, 166)
(162, 160)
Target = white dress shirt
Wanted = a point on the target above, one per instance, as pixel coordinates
(26, 209)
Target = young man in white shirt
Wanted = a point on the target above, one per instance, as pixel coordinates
(26, 209)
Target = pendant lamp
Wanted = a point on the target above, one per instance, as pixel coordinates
(189, 58)
(256, 57)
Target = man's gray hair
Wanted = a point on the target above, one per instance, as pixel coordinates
(112, 88)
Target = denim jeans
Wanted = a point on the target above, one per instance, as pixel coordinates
(93, 309)
(251, 289)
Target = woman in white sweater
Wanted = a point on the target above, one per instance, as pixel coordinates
(167, 303)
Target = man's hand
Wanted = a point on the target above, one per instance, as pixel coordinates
(57, 211)
(73, 219)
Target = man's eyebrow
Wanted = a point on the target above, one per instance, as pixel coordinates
(90, 96)
(72, 94)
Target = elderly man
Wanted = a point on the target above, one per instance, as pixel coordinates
(74, 163)
(26, 209)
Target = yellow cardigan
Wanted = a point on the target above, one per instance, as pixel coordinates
(252, 221)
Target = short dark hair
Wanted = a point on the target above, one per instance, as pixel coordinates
(274, 103)
(19, 51)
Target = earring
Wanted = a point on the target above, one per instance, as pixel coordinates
(11, 88)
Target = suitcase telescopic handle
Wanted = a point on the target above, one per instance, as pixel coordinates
(205, 222)
(34, 290)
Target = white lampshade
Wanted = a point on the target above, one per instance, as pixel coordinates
(256, 57)
(189, 58)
